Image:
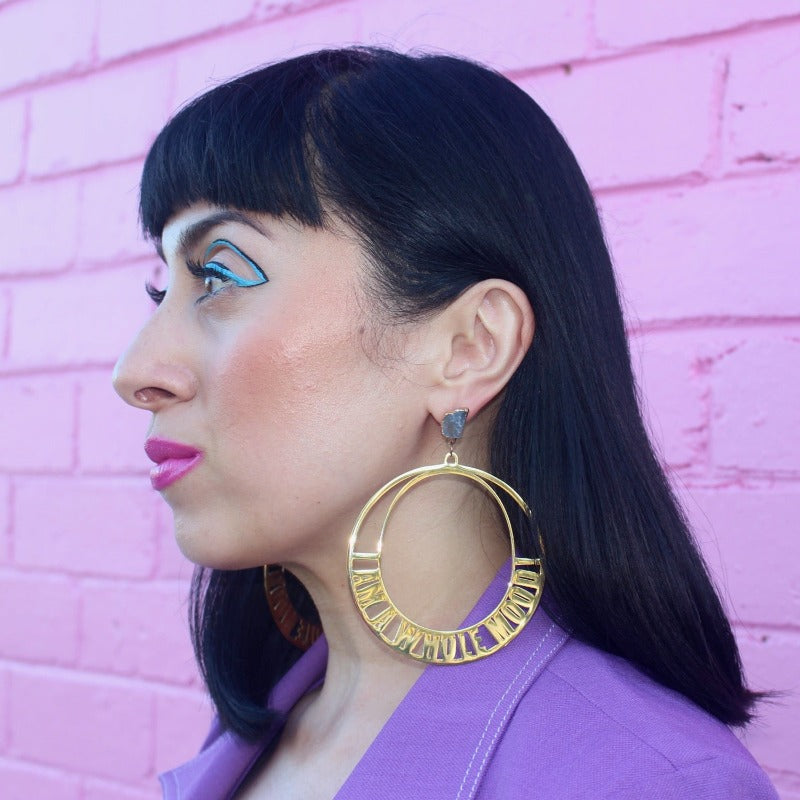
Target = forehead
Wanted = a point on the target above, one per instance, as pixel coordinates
(189, 227)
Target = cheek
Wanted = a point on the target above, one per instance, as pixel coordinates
(285, 388)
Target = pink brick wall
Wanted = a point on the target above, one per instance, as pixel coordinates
(685, 116)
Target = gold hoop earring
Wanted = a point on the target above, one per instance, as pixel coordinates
(429, 645)
(295, 629)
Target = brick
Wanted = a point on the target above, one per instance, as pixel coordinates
(620, 23)
(762, 106)
(5, 322)
(127, 28)
(694, 252)
(5, 519)
(109, 229)
(42, 413)
(5, 731)
(756, 412)
(12, 139)
(92, 725)
(770, 660)
(102, 118)
(87, 526)
(22, 781)
(40, 619)
(673, 396)
(95, 789)
(111, 434)
(182, 721)
(42, 38)
(745, 536)
(137, 630)
(620, 142)
(523, 34)
(28, 208)
(117, 306)
(205, 64)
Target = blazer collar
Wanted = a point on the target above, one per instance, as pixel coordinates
(456, 711)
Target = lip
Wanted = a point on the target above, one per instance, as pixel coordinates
(173, 460)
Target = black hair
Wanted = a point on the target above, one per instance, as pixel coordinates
(451, 174)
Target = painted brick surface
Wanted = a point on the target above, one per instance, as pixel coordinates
(199, 67)
(131, 629)
(89, 328)
(105, 234)
(41, 618)
(5, 520)
(182, 721)
(685, 118)
(622, 142)
(12, 139)
(89, 526)
(45, 405)
(101, 728)
(621, 23)
(733, 523)
(757, 404)
(673, 394)
(722, 249)
(23, 208)
(124, 29)
(5, 728)
(522, 32)
(106, 117)
(46, 37)
(762, 110)
(22, 782)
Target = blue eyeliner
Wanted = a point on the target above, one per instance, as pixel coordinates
(223, 271)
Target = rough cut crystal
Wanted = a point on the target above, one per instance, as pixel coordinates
(453, 423)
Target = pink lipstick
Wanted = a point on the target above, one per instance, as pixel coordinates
(173, 460)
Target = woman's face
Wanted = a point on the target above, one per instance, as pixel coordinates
(260, 358)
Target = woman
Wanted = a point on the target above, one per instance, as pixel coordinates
(379, 263)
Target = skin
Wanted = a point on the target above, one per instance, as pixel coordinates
(304, 401)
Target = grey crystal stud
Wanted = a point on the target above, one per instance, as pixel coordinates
(453, 423)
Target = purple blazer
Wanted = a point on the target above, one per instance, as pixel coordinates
(545, 717)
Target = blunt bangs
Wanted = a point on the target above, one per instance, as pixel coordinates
(245, 144)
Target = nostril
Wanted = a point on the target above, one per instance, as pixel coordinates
(152, 394)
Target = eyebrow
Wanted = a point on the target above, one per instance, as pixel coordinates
(194, 233)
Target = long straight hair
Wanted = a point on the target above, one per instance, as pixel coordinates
(451, 174)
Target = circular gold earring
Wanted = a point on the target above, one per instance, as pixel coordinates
(294, 628)
(419, 642)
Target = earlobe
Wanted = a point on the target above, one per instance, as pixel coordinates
(489, 329)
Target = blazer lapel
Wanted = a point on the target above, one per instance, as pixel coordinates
(440, 738)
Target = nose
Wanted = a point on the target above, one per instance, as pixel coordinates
(155, 371)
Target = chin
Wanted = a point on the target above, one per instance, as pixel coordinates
(203, 545)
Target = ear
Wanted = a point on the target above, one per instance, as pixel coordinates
(482, 337)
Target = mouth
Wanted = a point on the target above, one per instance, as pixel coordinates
(172, 461)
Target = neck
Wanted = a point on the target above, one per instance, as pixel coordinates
(442, 548)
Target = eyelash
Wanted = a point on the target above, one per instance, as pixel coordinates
(211, 270)
(156, 295)
(197, 269)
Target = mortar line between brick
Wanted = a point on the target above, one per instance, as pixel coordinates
(98, 678)
(711, 323)
(714, 161)
(695, 40)
(52, 770)
(11, 550)
(5, 345)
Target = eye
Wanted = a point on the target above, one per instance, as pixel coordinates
(212, 283)
(156, 295)
(215, 274)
